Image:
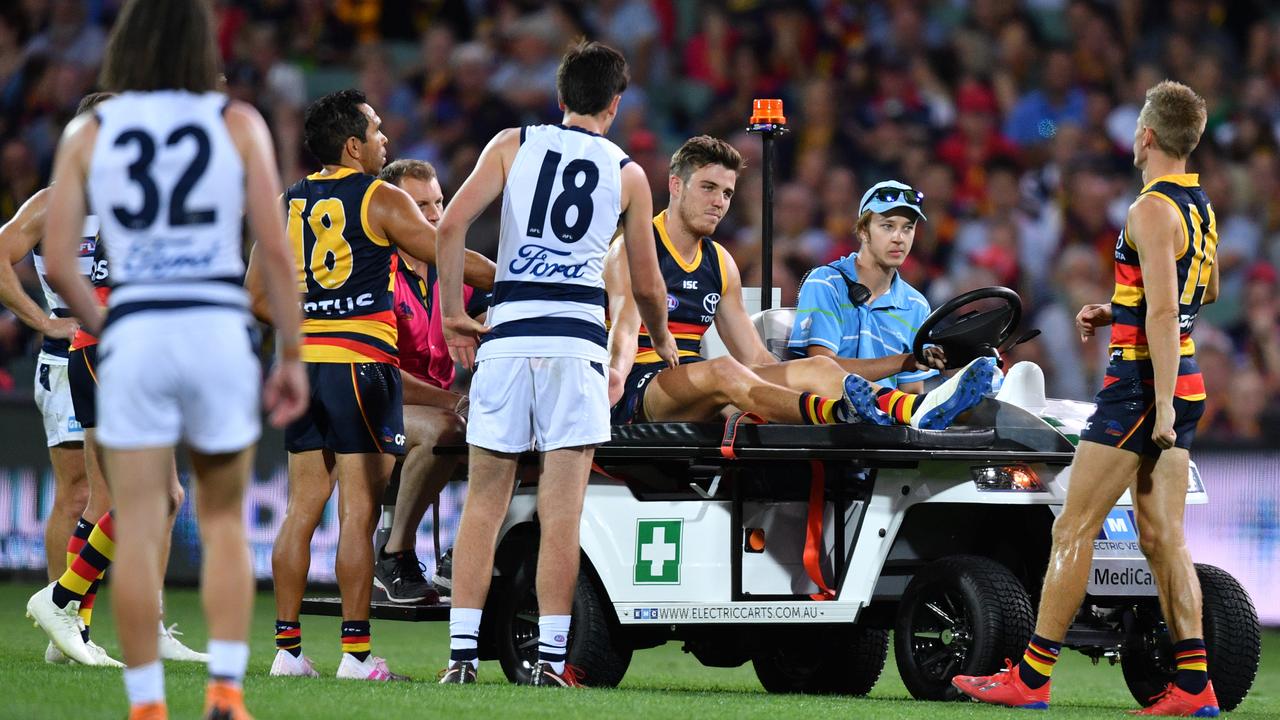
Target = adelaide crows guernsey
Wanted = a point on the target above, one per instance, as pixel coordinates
(560, 207)
(346, 272)
(694, 288)
(58, 347)
(1194, 265)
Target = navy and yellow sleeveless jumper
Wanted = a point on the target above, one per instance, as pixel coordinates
(1125, 415)
(694, 288)
(346, 274)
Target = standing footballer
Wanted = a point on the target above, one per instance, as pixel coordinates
(1146, 415)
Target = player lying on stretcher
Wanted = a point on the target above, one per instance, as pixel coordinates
(704, 287)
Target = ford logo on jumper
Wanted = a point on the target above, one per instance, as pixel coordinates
(532, 259)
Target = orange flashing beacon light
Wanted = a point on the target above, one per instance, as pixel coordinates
(767, 111)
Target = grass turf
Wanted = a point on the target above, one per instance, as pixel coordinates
(661, 682)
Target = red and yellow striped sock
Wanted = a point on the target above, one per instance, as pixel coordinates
(1192, 658)
(1038, 661)
(79, 538)
(289, 636)
(89, 565)
(897, 404)
(355, 638)
(817, 410)
(86, 608)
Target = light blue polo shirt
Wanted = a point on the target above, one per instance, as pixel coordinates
(886, 326)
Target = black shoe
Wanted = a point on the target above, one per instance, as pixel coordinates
(458, 673)
(443, 577)
(544, 676)
(400, 577)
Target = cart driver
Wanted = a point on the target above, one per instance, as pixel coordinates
(858, 309)
(704, 287)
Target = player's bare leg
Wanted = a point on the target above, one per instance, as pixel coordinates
(362, 478)
(491, 480)
(820, 375)
(562, 484)
(70, 495)
(424, 473)
(699, 391)
(311, 482)
(141, 507)
(1099, 476)
(1159, 504)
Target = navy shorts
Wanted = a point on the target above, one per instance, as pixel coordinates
(355, 408)
(630, 407)
(82, 374)
(1125, 414)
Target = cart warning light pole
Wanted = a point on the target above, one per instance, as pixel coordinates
(768, 122)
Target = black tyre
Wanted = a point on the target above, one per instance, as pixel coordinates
(830, 661)
(595, 647)
(961, 615)
(1231, 633)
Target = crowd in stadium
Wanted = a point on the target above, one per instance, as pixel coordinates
(1015, 119)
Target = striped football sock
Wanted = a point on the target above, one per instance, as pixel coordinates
(1193, 665)
(94, 559)
(86, 608)
(289, 637)
(553, 641)
(817, 410)
(1038, 661)
(464, 635)
(355, 638)
(79, 538)
(897, 404)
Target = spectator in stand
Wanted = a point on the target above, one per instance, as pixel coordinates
(1039, 112)
(1072, 369)
(527, 77)
(974, 144)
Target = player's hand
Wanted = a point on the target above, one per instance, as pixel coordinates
(285, 394)
(664, 343)
(1163, 433)
(935, 359)
(462, 335)
(1092, 317)
(615, 386)
(60, 328)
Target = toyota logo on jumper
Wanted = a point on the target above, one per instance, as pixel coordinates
(710, 301)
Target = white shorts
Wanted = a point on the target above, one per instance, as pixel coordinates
(53, 397)
(542, 403)
(172, 375)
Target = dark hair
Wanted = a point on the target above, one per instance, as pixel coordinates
(329, 121)
(162, 45)
(92, 100)
(397, 171)
(589, 77)
(701, 151)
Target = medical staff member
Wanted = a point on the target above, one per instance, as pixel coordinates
(858, 309)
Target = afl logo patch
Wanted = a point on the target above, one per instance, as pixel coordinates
(672, 303)
(709, 302)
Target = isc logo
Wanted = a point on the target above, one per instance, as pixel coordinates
(690, 285)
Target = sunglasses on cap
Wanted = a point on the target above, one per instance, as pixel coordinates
(893, 194)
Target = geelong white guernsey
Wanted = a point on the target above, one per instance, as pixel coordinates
(167, 185)
(58, 348)
(560, 208)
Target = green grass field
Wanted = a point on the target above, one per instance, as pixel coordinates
(661, 683)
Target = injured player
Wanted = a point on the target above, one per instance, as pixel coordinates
(704, 287)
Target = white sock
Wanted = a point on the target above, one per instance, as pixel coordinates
(227, 660)
(464, 635)
(145, 683)
(553, 639)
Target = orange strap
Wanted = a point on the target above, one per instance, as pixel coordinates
(813, 531)
(727, 450)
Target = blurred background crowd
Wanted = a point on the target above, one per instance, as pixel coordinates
(1014, 117)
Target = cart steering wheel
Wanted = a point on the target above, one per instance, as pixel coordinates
(974, 334)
